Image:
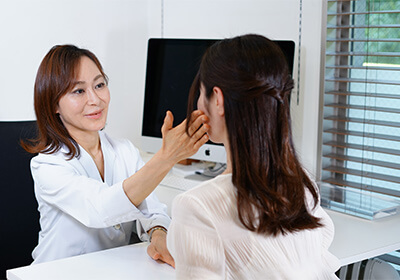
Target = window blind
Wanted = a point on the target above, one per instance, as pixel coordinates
(360, 133)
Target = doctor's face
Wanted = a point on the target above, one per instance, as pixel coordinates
(84, 108)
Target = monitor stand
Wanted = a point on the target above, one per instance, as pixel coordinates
(213, 171)
(199, 171)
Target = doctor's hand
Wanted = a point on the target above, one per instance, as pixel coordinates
(158, 250)
(177, 144)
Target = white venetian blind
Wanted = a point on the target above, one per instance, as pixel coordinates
(361, 118)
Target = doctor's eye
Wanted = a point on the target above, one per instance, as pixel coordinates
(78, 91)
(100, 85)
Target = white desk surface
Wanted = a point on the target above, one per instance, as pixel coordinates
(355, 239)
(122, 263)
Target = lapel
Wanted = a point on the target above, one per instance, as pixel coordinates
(109, 159)
(87, 163)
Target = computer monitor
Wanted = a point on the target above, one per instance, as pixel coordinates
(172, 65)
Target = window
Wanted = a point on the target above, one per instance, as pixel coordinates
(360, 147)
(360, 162)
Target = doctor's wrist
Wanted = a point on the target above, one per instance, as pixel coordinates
(165, 159)
(156, 231)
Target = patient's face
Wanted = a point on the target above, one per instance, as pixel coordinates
(208, 106)
(202, 101)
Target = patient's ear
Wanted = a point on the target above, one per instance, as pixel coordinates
(219, 100)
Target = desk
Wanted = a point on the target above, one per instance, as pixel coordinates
(122, 263)
(355, 239)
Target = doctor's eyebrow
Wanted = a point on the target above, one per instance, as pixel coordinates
(98, 77)
(83, 82)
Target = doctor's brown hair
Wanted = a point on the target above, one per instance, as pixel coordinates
(271, 184)
(56, 76)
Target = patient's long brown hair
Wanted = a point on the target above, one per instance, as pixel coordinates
(55, 77)
(253, 75)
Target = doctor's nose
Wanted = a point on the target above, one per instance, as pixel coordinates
(92, 97)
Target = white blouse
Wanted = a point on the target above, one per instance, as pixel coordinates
(79, 213)
(208, 241)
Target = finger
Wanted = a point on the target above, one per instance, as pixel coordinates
(194, 115)
(169, 260)
(196, 124)
(200, 132)
(156, 256)
(168, 122)
(200, 142)
(152, 252)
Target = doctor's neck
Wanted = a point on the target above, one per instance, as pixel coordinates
(90, 142)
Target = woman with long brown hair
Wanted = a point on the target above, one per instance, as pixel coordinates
(90, 187)
(261, 218)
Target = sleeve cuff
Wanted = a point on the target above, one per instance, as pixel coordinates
(119, 207)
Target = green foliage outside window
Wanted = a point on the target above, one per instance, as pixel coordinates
(387, 19)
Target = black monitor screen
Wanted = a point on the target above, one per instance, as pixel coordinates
(172, 65)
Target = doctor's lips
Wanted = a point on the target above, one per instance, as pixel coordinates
(95, 115)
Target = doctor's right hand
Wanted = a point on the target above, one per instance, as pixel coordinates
(177, 144)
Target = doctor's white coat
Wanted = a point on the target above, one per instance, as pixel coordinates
(79, 213)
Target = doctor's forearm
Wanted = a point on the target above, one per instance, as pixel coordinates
(142, 183)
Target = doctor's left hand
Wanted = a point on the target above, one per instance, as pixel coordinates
(158, 250)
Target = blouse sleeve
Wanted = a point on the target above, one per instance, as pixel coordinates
(93, 203)
(328, 229)
(331, 262)
(194, 242)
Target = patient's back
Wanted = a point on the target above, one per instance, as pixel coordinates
(206, 231)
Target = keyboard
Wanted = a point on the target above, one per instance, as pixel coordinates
(179, 182)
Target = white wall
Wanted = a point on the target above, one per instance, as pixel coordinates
(276, 19)
(117, 31)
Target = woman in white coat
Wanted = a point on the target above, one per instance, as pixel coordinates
(261, 219)
(90, 187)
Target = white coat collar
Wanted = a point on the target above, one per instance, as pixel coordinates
(109, 157)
